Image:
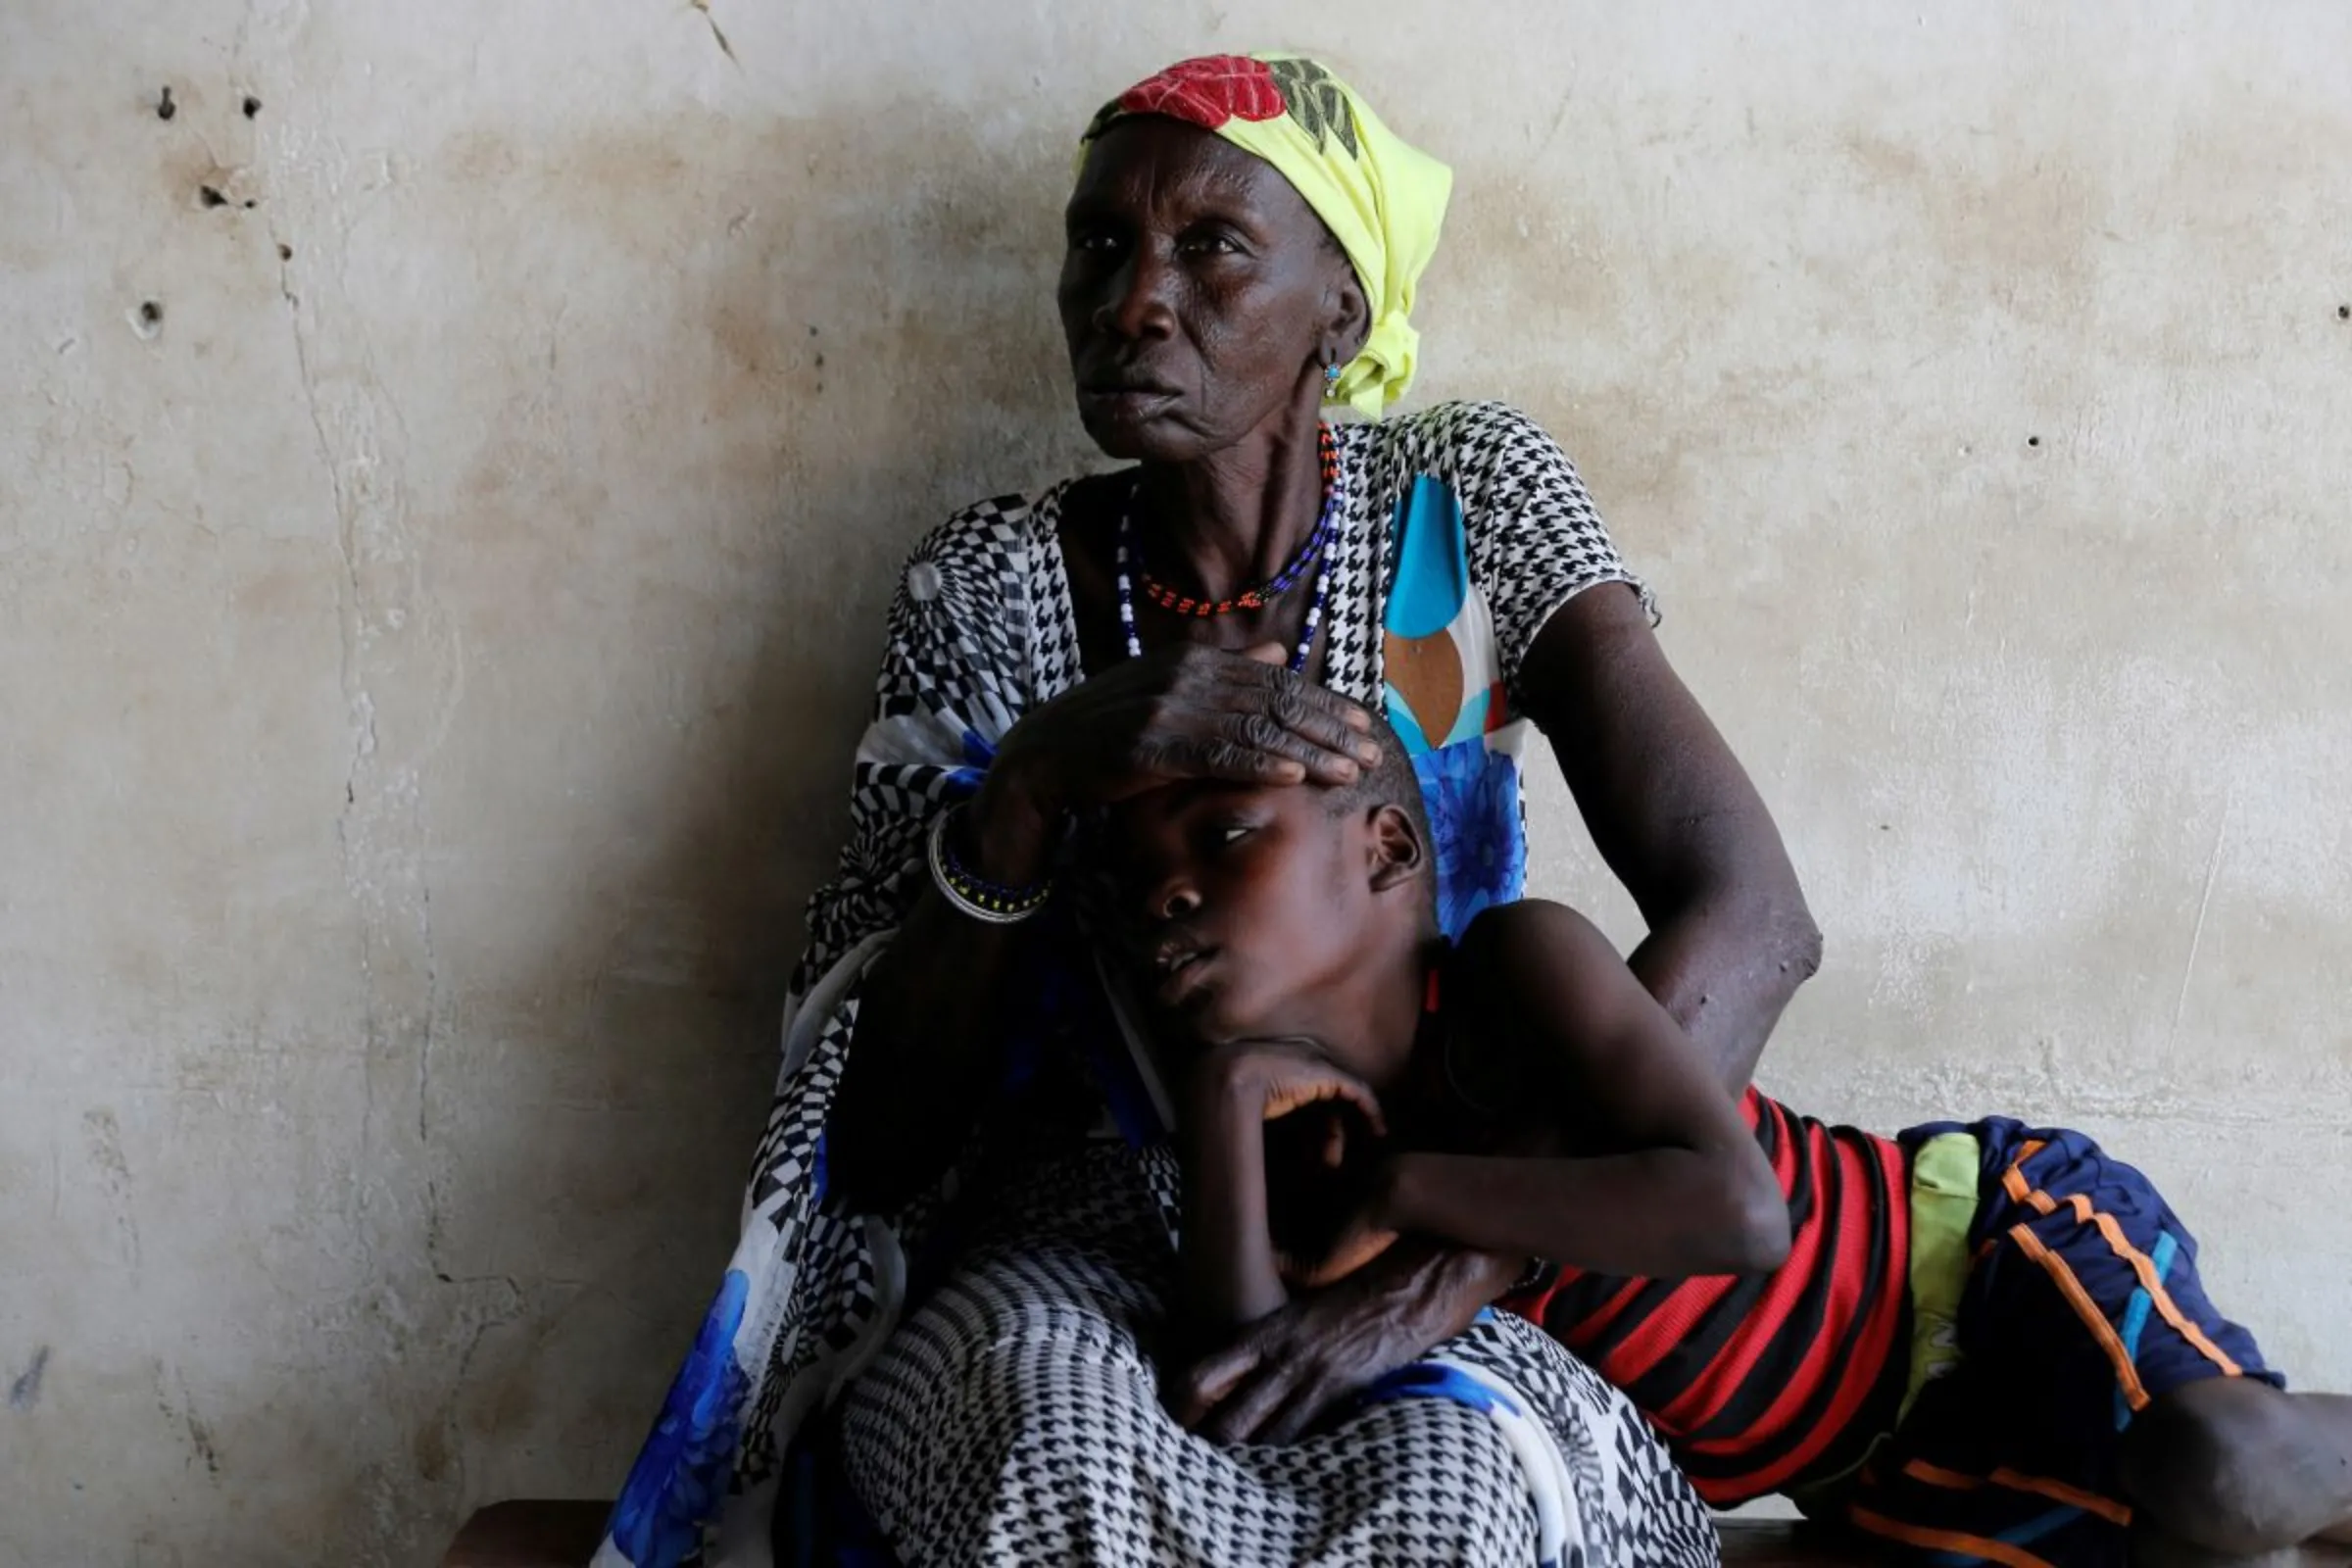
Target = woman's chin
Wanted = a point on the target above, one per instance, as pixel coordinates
(1137, 435)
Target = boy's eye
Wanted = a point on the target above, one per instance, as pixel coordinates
(1230, 834)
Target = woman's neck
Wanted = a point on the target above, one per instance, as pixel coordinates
(1228, 521)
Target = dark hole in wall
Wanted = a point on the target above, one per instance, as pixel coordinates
(164, 108)
(253, 106)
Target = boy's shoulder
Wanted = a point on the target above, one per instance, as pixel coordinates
(1527, 936)
(1534, 964)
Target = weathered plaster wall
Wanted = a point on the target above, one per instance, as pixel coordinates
(429, 648)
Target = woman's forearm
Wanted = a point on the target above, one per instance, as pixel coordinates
(928, 1031)
(1725, 966)
(1680, 822)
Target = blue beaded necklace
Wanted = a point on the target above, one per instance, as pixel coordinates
(1334, 502)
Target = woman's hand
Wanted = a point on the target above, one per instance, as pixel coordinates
(1186, 712)
(1282, 1372)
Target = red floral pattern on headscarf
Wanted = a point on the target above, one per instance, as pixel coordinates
(1207, 91)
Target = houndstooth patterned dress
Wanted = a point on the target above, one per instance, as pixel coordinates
(1014, 1415)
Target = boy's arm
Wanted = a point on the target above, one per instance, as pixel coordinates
(1676, 1183)
(1226, 1258)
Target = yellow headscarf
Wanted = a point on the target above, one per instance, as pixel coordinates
(1381, 198)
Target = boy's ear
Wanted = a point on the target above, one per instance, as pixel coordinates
(1397, 853)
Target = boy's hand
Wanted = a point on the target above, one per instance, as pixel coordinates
(1265, 1080)
(1366, 1236)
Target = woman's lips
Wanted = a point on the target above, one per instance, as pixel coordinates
(1130, 401)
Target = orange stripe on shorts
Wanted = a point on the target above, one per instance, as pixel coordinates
(2136, 1395)
(2000, 1551)
(2107, 1509)
(2153, 1283)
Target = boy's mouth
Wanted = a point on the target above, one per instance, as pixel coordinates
(1177, 967)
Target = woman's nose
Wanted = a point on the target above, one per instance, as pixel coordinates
(1178, 901)
(1138, 305)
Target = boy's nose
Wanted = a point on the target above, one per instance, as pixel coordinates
(1177, 900)
(1162, 895)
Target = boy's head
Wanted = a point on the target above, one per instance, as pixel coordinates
(1249, 910)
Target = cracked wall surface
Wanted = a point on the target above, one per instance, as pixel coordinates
(452, 469)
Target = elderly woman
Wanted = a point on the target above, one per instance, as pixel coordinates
(1245, 239)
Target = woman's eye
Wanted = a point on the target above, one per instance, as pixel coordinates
(1211, 245)
(1230, 834)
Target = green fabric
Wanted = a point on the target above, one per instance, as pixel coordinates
(1944, 1205)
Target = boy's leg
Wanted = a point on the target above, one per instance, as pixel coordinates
(2238, 1467)
(2103, 1407)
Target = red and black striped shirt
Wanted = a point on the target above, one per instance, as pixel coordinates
(1756, 1380)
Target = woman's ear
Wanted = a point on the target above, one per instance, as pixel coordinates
(1397, 853)
(1350, 315)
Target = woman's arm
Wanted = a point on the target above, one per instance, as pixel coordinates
(926, 1047)
(1676, 817)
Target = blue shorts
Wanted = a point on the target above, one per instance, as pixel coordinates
(2082, 1303)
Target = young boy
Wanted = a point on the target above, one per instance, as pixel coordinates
(1980, 1343)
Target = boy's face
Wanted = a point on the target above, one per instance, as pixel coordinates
(1243, 909)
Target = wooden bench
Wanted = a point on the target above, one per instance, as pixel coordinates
(539, 1534)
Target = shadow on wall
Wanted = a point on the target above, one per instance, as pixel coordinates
(745, 367)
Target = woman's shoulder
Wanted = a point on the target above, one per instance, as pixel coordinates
(986, 529)
(1462, 433)
(987, 543)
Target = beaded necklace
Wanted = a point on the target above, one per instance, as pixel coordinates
(1316, 550)
(1177, 602)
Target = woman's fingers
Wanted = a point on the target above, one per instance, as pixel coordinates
(1309, 1398)
(1245, 729)
(1166, 759)
(1207, 1382)
(1207, 713)
(1300, 701)
(1329, 726)
(1248, 1405)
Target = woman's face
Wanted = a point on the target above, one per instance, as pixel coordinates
(1200, 295)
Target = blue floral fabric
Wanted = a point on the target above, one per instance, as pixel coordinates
(682, 1470)
(1472, 797)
